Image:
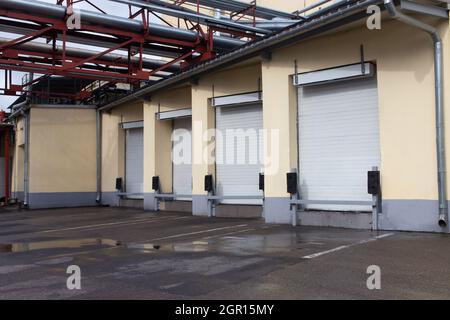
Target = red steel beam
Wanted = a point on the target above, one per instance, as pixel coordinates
(73, 96)
(18, 65)
(56, 59)
(184, 56)
(25, 38)
(93, 67)
(94, 57)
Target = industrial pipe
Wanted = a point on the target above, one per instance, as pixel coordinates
(7, 165)
(311, 6)
(80, 38)
(239, 6)
(439, 104)
(208, 20)
(110, 21)
(77, 53)
(276, 24)
(26, 172)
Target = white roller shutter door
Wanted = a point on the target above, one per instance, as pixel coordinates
(238, 157)
(339, 141)
(134, 168)
(182, 157)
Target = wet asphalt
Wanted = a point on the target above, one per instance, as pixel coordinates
(129, 254)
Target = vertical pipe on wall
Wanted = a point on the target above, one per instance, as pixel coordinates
(99, 156)
(26, 117)
(439, 104)
(26, 169)
(440, 141)
(7, 160)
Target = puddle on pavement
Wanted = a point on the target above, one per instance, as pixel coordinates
(243, 245)
(58, 244)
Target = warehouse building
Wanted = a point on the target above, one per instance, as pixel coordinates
(344, 101)
(324, 123)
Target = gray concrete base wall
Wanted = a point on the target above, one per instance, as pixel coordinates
(61, 200)
(397, 215)
(18, 195)
(200, 205)
(176, 206)
(238, 211)
(411, 215)
(277, 211)
(131, 203)
(349, 220)
(110, 199)
(149, 202)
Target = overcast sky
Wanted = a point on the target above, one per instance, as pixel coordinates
(110, 7)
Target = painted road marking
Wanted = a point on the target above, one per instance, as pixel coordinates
(135, 223)
(319, 254)
(229, 233)
(120, 223)
(197, 232)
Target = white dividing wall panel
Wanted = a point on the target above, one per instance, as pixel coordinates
(182, 157)
(339, 141)
(134, 163)
(238, 159)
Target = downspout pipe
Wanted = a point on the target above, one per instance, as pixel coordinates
(439, 104)
(26, 172)
(23, 109)
(99, 157)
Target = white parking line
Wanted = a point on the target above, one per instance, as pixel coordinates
(198, 232)
(319, 254)
(228, 233)
(120, 223)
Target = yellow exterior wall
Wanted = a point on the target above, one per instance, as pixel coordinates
(404, 58)
(113, 142)
(158, 134)
(62, 150)
(405, 75)
(240, 79)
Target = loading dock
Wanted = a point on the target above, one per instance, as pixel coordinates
(182, 158)
(338, 137)
(177, 194)
(239, 124)
(134, 160)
